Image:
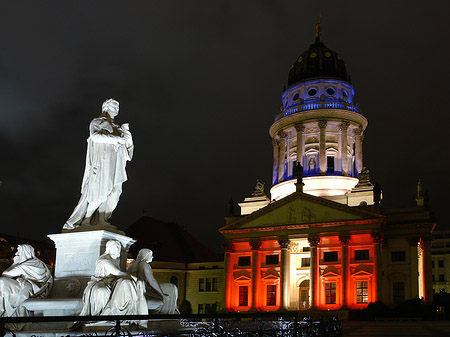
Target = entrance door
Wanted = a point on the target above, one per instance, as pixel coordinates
(303, 295)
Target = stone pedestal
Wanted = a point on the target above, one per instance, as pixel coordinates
(76, 254)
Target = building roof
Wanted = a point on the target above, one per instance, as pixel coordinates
(169, 241)
(316, 62)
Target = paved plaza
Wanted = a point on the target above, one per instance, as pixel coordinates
(397, 329)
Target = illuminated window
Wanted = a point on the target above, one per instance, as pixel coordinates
(214, 284)
(271, 295)
(398, 292)
(306, 261)
(271, 259)
(200, 309)
(362, 294)
(208, 284)
(330, 256)
(398, 256)
(243, 296)
(361, 255)
(244, 261)
(201, 284)
(330, 293)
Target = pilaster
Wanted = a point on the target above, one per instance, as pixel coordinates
(378, 240)
(345, 239)
(281, 155)
(344, 144)
(322, 147)
(255, 245)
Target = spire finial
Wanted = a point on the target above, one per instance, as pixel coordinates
(318, 29)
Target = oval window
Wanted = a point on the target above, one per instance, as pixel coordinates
(330, 91)
(344, 94)
(295, 96)
(312, 92)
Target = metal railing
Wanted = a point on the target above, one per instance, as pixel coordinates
(261, 324)
(317, 105)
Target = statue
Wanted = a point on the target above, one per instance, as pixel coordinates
(112, 291)
(110, 146)
(259, 189)
(163, 295)
(27, 277)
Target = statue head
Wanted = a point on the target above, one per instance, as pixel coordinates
(111, 107)
(24, 252)
(145, 255)
(113, 248)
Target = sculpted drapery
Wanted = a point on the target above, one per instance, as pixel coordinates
(26, 277)
(111, 291)
(109, 147)
(162, 295)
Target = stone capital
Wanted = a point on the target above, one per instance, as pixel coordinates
(281, 134)
(322, 124)
(344, 126)
(299, 127)
(284, 243)
(228, 247)
(313, 241)
(358, 131)
(255, 245)
(345, 239)
(275, 142)
(377, 238)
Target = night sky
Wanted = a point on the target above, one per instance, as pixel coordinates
(200, 83)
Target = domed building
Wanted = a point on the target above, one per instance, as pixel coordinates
(322, 240)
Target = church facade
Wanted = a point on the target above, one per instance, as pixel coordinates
(322, 240)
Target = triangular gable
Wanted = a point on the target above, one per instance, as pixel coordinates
(301, 208)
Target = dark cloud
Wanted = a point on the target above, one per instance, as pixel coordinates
(200, 82)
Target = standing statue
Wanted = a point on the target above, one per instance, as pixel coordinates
(163, 296)
(112, 291)
(109, 148)
(26, 277)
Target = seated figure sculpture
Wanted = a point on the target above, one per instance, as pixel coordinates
(162, 296)
(27, 277)
(112, 291)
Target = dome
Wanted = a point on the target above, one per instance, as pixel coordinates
(318, 61)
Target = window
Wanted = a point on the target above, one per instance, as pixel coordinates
(271, 259)
(441, 264)
(306, 261)
(362, 294)
(432, 263)
(243, 296)
(174, 280)
(361, 255)
(398, 256)
(272, 295)
(207, 308)
(330, 256)
(201, 284)
(208, 284)
(306, 249)
(398, 292)
(296, 95)
(200, 309)
(214, 284)
(330, 91)
(244, 261)
(330, 293)
(330, 164)
(201, 267)
(441, 278)
(312, 92)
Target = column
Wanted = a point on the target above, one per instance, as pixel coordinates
(322, 147)
(413, 243)
(345, 239)
(378, 263)
(228, 277)
(284, 245)
(425, 244)
(344, 144)
(300, 128)
(281, 154)
(358, 149)
(255, 245)
(276, 144)
(313, 242)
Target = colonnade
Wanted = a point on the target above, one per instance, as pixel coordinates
(282, 145)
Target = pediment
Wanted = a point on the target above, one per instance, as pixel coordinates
(301, 209)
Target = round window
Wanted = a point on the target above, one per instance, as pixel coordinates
(295, 96)
(312, 92)
(330, 91)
